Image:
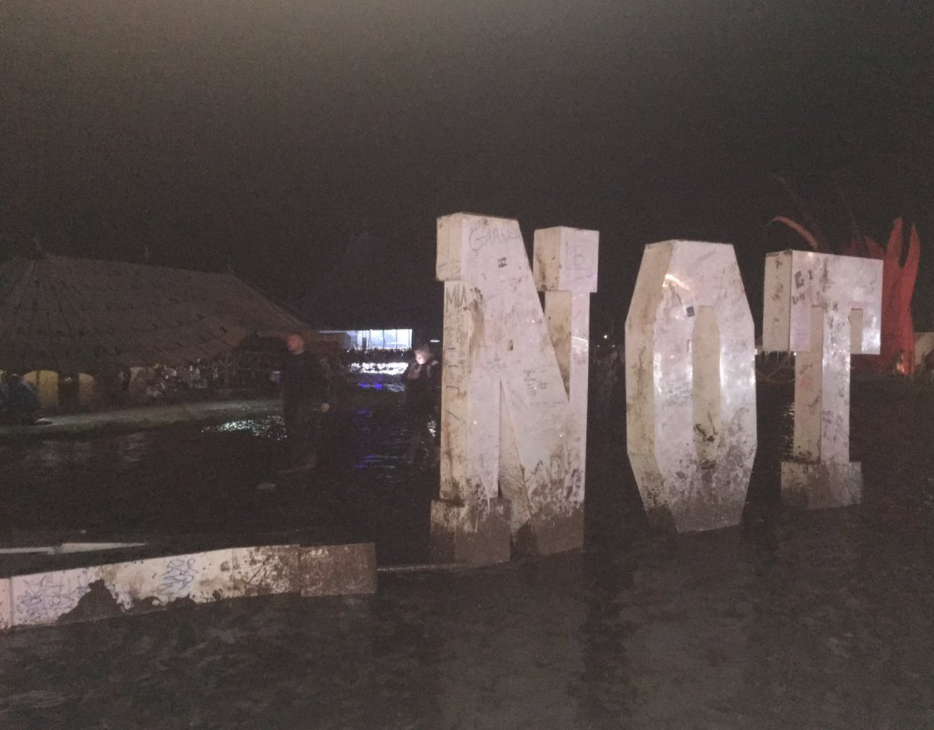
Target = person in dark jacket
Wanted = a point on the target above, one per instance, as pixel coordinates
(22, 403)
(304, 400)
(422, 380)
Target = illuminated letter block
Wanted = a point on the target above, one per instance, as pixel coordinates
(822, 308)
(514, 389)
(690, 386)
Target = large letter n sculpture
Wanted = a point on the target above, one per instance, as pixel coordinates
(514, 389)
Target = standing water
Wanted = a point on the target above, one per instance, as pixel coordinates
(790, 620)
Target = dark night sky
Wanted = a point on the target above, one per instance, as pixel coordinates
(265, 133)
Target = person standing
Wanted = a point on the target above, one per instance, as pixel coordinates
(422, 380)
(304, 400)
(22, 402)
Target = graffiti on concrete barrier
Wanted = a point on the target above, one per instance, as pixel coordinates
(179, 574)
(49, 596)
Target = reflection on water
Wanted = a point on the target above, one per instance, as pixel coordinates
(384, 377)
(264, 427)
(381, 386)
(378, 461)
(388, 370)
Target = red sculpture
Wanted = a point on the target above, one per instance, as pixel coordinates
(898, 285)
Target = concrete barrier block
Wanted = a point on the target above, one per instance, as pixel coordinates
(6, 605)
(336, 570)
(141, 586)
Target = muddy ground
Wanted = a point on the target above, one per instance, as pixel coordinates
(791, 620)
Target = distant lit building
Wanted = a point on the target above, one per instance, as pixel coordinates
(376, 297)
(386, 339)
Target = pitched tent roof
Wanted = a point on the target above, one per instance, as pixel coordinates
(81, 315)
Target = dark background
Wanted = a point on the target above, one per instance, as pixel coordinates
(262, 136)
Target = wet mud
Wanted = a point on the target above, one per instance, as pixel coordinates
(791, 620)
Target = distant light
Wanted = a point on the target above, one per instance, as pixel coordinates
(606, 337)
(379, 368)
(265, 426)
